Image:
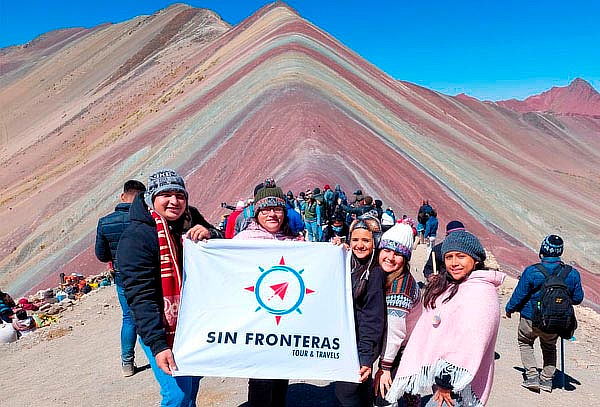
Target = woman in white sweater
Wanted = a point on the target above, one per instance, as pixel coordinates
(402, 296)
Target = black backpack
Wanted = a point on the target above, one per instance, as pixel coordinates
(553, 312)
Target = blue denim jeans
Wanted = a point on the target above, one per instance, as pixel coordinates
(128, 334)
(312, 230)
(175, 391)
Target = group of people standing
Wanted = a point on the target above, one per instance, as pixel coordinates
(318, 216)
(440, 337)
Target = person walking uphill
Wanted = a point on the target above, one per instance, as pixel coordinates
(525, 299)
(109, 231)
(150, 259)
(452, 344)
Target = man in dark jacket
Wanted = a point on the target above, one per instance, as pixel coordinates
(151, 273)
(525, 296)
(436, 252)
(108, 233)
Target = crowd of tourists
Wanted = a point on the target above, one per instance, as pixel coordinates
(438, 337)
(321, 215)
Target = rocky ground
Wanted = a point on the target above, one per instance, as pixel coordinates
(75, 362)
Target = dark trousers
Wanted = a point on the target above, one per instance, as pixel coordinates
(267, 392)
(355, 394)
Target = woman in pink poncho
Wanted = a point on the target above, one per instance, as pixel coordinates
(452, 345)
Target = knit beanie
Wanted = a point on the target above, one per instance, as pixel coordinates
(398, 238)
(269, 195)
(464, 242)
(552, 246)
(454, 226)
(161, 181)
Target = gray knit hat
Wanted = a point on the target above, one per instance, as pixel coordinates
(464, 242)
(163, 180)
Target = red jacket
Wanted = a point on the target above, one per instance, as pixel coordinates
(230, 228)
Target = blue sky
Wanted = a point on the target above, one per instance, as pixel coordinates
(489, 49)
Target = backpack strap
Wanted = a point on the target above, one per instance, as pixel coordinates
(542, 269)
(562, 267)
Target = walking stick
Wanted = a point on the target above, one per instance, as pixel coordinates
(434, 262)
(562, 362)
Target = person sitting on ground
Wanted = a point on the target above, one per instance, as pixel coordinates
(270, 221)
(452, 344)
(403, 299)
(109, 231)
(526, 295)
(150, 260)
(435, 257)
(23, 323)
(6, 307)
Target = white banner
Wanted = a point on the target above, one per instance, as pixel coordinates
(266, 309)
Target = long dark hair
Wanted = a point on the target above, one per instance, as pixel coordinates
(442, 282)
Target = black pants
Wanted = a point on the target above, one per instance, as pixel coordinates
(355, 394)
(267, 392)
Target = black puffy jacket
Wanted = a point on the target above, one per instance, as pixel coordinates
(139, 261)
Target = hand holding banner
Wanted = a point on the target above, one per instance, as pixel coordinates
(266, 309)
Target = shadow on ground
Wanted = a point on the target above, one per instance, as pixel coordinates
(308, 395)
(557, 381)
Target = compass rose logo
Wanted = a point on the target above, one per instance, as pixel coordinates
(279, 290)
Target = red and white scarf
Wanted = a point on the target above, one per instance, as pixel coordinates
(170, 275)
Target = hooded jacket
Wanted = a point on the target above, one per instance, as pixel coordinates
(138, 255)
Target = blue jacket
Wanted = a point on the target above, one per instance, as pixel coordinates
(294, 219)
(108, 233)
(528, 291)
(431, 227)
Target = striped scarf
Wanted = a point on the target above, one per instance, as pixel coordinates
(170, 276)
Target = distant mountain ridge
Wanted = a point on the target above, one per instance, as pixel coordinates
(579, 97)
(273, 96)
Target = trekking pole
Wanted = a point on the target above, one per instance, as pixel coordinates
(434, 262)
(562, 363)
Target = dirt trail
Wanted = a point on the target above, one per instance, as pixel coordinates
(76, 362)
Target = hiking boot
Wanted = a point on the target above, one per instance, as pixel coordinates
(546, 385)
(532, 383)
(128, 369)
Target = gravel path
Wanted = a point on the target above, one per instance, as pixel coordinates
(76, 362)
